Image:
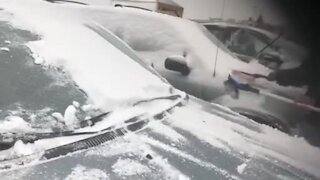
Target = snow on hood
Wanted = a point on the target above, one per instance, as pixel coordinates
(267, 143)
(108, 76)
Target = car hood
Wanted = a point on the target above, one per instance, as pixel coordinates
(195, 141)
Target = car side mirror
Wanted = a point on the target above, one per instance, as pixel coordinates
(177, 64)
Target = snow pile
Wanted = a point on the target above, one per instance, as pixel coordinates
(109, 77)
(15, 124)
(82, 173)
(70, 117)
(21, 149)
(129, 167)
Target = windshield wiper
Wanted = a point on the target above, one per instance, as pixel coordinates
(171, 97)
(7, 140)
(268, 45)
(75, 2)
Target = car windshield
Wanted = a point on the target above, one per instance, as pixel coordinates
(28, 90)
(46, 97)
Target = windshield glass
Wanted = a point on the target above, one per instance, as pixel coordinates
(30, 91)
(49, 79)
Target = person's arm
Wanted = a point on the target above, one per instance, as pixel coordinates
(290, 77)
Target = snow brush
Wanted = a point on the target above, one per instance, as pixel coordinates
(241, 81)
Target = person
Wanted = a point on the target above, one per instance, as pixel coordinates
(307, 74)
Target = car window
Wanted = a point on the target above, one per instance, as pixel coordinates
(30, 91)
(222, 33)
(246, 43)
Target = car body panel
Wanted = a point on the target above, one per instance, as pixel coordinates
(177, 153)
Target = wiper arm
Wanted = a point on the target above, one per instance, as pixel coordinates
(75, 2)
(171, 97)
(268, 45)
(7, 140)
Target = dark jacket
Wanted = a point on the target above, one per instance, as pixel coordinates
(308, 73)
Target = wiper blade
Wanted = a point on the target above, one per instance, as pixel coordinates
(171, 97)
(94, 120)
(75, 2)
(7, 140)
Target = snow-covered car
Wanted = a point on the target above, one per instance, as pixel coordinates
(121, 120)
(251, 43)
(195, 61)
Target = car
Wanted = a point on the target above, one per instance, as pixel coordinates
(136, 125)
(193, 60)
(268, 47)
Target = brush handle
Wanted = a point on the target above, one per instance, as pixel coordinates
(312, 108)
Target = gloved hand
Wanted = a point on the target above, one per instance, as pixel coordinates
(272, 76)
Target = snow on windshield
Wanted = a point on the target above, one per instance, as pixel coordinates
(109, 77)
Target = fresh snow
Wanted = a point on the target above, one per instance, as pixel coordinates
(83, 173)
(133, 144)
(76, 104)
(166, 131)
(58, 116)
(129, 167)
(269, 143)
(241, 168)
(15, 124)
(70, 117)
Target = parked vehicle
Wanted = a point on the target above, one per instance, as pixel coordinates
(258, 44)
(147, 129)
(195, 61)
